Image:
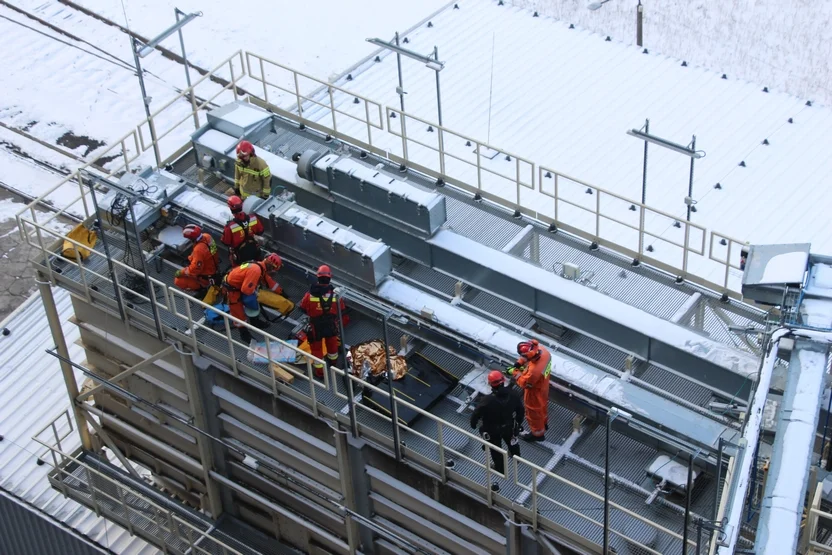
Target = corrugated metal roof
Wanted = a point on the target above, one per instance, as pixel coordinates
(32, 394)
(565, 98)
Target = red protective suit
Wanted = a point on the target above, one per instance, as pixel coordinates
(204, 263)
(320, 304)
(245, 279)
(239, 236)
(534, 381)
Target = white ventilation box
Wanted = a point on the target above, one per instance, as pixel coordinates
(571, 271)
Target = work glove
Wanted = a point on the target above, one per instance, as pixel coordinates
(178, 273)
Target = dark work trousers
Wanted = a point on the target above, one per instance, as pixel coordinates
(496, 456)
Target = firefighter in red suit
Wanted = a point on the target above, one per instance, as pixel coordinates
(240, 234)
(320, 305)
(532, 376)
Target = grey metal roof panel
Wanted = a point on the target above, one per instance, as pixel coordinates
(32, 394)
(565, 97)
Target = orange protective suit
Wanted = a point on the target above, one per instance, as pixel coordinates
(534, 381)
(204, 262)
(244, 281)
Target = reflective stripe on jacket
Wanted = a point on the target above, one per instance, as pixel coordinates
(236, 233)
(253, 179)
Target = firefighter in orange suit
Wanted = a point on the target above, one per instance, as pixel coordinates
(240, 234)
(532, 375)
(241, 285)
(252, 176)
(203, 261)
(320, 305)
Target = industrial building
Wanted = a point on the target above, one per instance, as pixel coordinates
(685, 415)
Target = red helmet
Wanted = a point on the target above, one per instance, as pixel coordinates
(245, 147)
(235, 204)
(273, 262)
(192, 232)
(324, 271)
(528, 349)
(496, 378)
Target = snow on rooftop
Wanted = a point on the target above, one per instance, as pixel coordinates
(565, 98)
(32, 385)
(206, 205)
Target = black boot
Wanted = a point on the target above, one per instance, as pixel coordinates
(245, 335)
(528, 436)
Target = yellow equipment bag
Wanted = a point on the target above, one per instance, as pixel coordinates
(275, 301)
(212, 296)
(81, 235)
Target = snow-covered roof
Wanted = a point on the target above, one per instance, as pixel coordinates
(564, 98)
(32, 394)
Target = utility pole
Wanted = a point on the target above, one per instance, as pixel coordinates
(639, 23)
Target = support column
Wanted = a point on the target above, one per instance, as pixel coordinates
(355, 485)
(45, 290)
(199, 378)
(204, 444)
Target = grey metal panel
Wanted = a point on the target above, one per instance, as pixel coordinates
(313, 238)
(397, 238)
(617, 333)
(429, 509)
(484, 270)
(422, 212)
(482, 276)
(25, 531)
(240, 119)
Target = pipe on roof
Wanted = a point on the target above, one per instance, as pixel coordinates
(745, 454)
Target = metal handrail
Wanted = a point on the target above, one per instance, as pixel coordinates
(36, 240)
(331, 383)
(478, 147)
(301, 99)
(138, 147)
(163, 518)
(519, 462)
(694, 235)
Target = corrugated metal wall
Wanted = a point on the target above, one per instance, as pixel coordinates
(26, 532)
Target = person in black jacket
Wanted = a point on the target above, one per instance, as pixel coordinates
(502, 415)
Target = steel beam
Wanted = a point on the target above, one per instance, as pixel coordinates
(132, 370)
(593, 314)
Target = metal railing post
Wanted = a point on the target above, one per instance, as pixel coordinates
(332, 110)
(231, 347)
(110, 265)
(343, 355)
(145, 99)
(607, 485)
(191, 95)
(151, 292)
(233, 78)
(404, 135)
(394, 411)
(297, 93)
(688, 490)
(556, 176)
(440, 436)
(718, 478)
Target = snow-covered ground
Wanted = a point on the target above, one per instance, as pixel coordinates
(783, 45)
